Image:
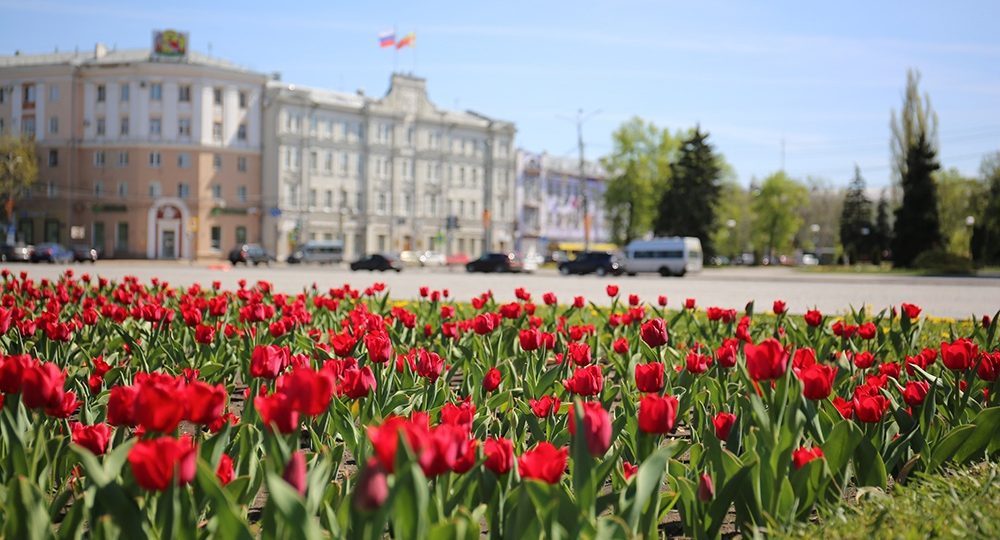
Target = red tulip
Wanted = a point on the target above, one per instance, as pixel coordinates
(42, 385)
(803, 358)
(620, 345)
(277, 410)
(206, 403)
(959, 355)
(697, 363)
(156, 463)
(661, 300)
(530, 339)
(94, 438)
(491, 381)
(66, 406)
(483, 324)
(766, 361)
(654, 332)
(586, 381)
(549, 299)
(870, 408)
(817, 381)
(379, 347)
(657, 414)
(779, 307)
(544, 462)
(204, 334)
(545, 406)
(372, 488)
(723, 423)
(803, 455)
(356, 383)
(467, 457)
(121, 406)
(911, 311)
(160, 404)
(844, 407)
(689, 303)
(579, 353)
(224, 472)
(499, 455)
(12, 370)
(461, 414)
(706, 490)
(629, 470)
(268, 361)
(612, 290)
(597, 427)
(915, 393)
(295, 472)
(309, 392)
(864, 360)
(649, 377)
(813, 317)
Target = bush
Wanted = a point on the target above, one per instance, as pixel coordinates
(961, 504)
(937, 261)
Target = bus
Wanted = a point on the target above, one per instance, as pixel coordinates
(674, 256)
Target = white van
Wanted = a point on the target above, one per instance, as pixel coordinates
(673, 256)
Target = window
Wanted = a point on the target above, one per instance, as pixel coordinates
(407, 203)
(328, 162)
(101, 93)
(123, 92)
(217, 131)
(154, 126)
(183, 190)
(407, 169)
(344, 163)
(53, 125)
(101, 127)
(98, 159)
(217, 161)
(154, 159)
(98, 189)
(241, 164)
(241, 235)
(184, 94)
(241, 132)
(28, 126)
(183, 160)
(121, 237)
(122, 190)
(184, 127)
(313, 124)
(50, 191)
(122, 159)
(312, 197)
(328, 198)
(98, 233)
(123, 128)
(156, 92)
(243, 100)
(29, 96)
(53, 94)
(53, 158)
(216, 191)
(381, 203)
(241, 193)
(154, 189)
(409, 136)
(313, 161)
(217, 96)
(216, 237)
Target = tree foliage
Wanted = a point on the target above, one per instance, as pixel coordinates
(776, 207)
(914, 120)
(959, 198)
(687, 206)
(18, 169)
(986, 233)
(731, 235)
(918, 226)
(639, 165)
(883, 231)
(856, 226)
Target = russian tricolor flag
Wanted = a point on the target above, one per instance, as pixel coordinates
(387, 39)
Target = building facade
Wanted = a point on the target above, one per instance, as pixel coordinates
(140, 155)
(550, 198)
(384, 174)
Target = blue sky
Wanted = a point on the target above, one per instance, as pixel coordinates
(822, 76)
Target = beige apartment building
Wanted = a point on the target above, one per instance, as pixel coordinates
(141, 154)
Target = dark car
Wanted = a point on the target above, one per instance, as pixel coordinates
(249, 253)
(378, 261)
(84, 253)
(15, 253)
(588, 262)
(495, 262)
(51, 253)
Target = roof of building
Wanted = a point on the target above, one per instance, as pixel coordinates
(108, 57)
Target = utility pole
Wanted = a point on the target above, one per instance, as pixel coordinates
(580, 119)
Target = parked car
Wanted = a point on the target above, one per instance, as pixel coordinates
(16, 253)
(433, 258)
(495, 262)
(458, 259)
(249, 253)
(321, 252)
(410, 258)
(673, 256)
(51, 253)
(84, 253)
(588, 262)
(532, 261)
(378, 261)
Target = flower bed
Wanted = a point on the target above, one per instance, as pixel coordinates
(145, 410)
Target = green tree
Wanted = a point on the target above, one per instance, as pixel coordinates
(731, 235)
(856, 220)
(986, 233)
(883, 231)
(18, 170)
(687, 206)
(959, 198)
(639, 165)
(820, 216)
(776, 213)
(916, 118)
(917, 223)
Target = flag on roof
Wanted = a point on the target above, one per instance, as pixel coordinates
(409, 40)
(387, 39)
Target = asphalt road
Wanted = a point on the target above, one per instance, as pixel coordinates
(725, 287)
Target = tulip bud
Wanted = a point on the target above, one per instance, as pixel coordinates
(372, 489)
(706, 491)
(295, 472)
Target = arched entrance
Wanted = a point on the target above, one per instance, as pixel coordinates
(167, 232)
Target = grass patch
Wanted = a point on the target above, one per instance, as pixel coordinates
(964, 503)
